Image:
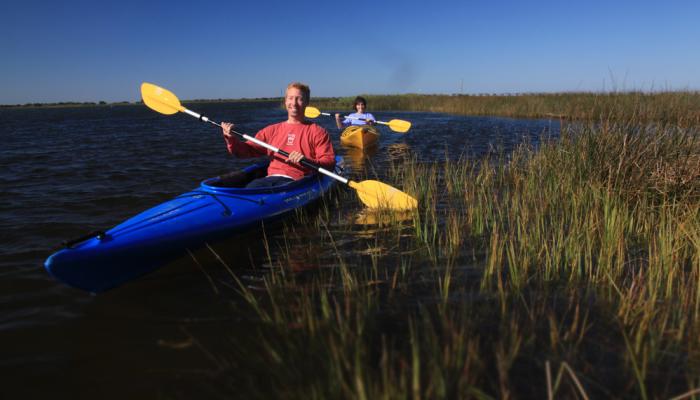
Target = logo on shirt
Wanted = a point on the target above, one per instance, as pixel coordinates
(290, 139)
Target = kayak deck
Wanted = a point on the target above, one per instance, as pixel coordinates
(218, 208)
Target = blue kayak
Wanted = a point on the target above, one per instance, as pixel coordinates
(219, 208)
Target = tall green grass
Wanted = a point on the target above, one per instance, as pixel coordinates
(570, 269)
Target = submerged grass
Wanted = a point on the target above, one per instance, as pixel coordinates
(567, 270)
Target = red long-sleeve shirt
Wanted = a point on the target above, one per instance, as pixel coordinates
(307, 138)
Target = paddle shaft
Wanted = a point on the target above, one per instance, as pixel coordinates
(272, 148)
(367, 120)
(358, 118)
(349, 117)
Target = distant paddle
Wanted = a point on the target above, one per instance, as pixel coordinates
(396, 125)
(373, 194)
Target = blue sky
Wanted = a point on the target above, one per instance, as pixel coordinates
(92, 51)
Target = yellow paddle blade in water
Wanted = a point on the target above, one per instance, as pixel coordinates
(375, 194)
(311, 112)
(399, 125)
(159, 99)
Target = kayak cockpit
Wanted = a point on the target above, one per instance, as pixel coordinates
(236, 181)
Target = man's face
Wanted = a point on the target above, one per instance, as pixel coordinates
(295, 103)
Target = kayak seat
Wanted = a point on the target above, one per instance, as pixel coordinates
(238, 179)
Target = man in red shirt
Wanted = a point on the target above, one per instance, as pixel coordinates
(298, 137)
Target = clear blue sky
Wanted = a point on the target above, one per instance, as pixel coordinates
(102, 50)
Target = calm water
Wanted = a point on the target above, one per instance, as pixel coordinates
(66, 172)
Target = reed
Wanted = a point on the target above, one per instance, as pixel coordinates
(679, 107)
(570, 269)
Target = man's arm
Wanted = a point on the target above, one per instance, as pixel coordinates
(323, 149)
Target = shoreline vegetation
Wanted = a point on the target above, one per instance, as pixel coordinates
(681, 107)
(569, 269)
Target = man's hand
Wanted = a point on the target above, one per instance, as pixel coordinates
(227, 127)
(295, 157)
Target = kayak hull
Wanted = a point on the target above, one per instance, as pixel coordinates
(359, 136)
(150, 239)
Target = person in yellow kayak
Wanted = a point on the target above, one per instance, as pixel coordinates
(300, 138)
(359, 117)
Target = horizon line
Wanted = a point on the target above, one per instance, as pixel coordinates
(279, 98)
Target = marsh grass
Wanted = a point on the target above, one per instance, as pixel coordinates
(566, 270)
(681, 108)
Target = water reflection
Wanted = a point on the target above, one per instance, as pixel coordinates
(398, 152)
(358, 157)
(369, 217)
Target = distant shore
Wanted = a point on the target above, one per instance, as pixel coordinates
(680, 106)
(70, 104)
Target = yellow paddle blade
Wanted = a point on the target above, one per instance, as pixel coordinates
(159, 99)
(375, 194)
(311, 112)
(399, 125)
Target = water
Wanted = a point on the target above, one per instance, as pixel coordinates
(69, 171)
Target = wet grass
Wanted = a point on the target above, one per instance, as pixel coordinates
(570, 270)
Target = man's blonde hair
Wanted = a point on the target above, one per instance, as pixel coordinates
(305, 91)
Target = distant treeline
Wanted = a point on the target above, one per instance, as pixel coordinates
(65, 104)
(242, 100)
(104, 103)
(680, 107)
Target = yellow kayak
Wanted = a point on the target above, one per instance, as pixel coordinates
(360, 136)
